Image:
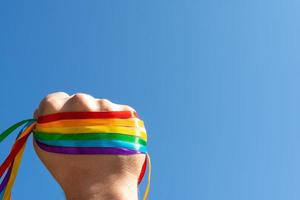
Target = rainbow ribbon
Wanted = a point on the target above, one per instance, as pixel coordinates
(114, 133)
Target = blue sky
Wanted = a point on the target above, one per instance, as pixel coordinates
(217, 83)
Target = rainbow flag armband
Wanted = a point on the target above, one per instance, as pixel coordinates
(112, 133)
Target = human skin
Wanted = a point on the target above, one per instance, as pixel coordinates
(89, 177)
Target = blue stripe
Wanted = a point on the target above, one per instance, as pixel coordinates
(23, 128)
(1, 194)
(95, 143)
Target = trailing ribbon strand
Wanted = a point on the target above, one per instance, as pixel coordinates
(115, 133)
(13, 127)
(12, 162)
(149, 178)
(6, 179)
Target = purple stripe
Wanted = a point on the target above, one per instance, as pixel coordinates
(87, 150)
(5, 179)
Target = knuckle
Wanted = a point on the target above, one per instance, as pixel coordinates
(128, 108)
(57, 95)
(104, 101)
(46, 106)
(47, 101)
(79, 102)
(105, 105)
(79, 96)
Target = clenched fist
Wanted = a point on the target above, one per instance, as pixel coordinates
(90, 177)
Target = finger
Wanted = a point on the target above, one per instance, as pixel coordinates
(80, 102)
(52, 103)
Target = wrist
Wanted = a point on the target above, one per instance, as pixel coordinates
(110, 190)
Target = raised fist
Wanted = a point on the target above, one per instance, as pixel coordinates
(90, 177)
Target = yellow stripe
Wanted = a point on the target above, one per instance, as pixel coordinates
(27, 130)
(139, 132)
(13, 175)
(149, 178)
(91, 122)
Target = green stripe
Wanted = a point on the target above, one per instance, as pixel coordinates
(89, 136)
(8, 131)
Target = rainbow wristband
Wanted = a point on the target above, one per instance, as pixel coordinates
(114, 133)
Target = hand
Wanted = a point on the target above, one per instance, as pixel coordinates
(90, 177)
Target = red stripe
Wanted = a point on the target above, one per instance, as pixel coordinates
(13, 153)
(86, 115)
(143, 171)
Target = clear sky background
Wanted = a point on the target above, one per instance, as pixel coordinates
(216, 81)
